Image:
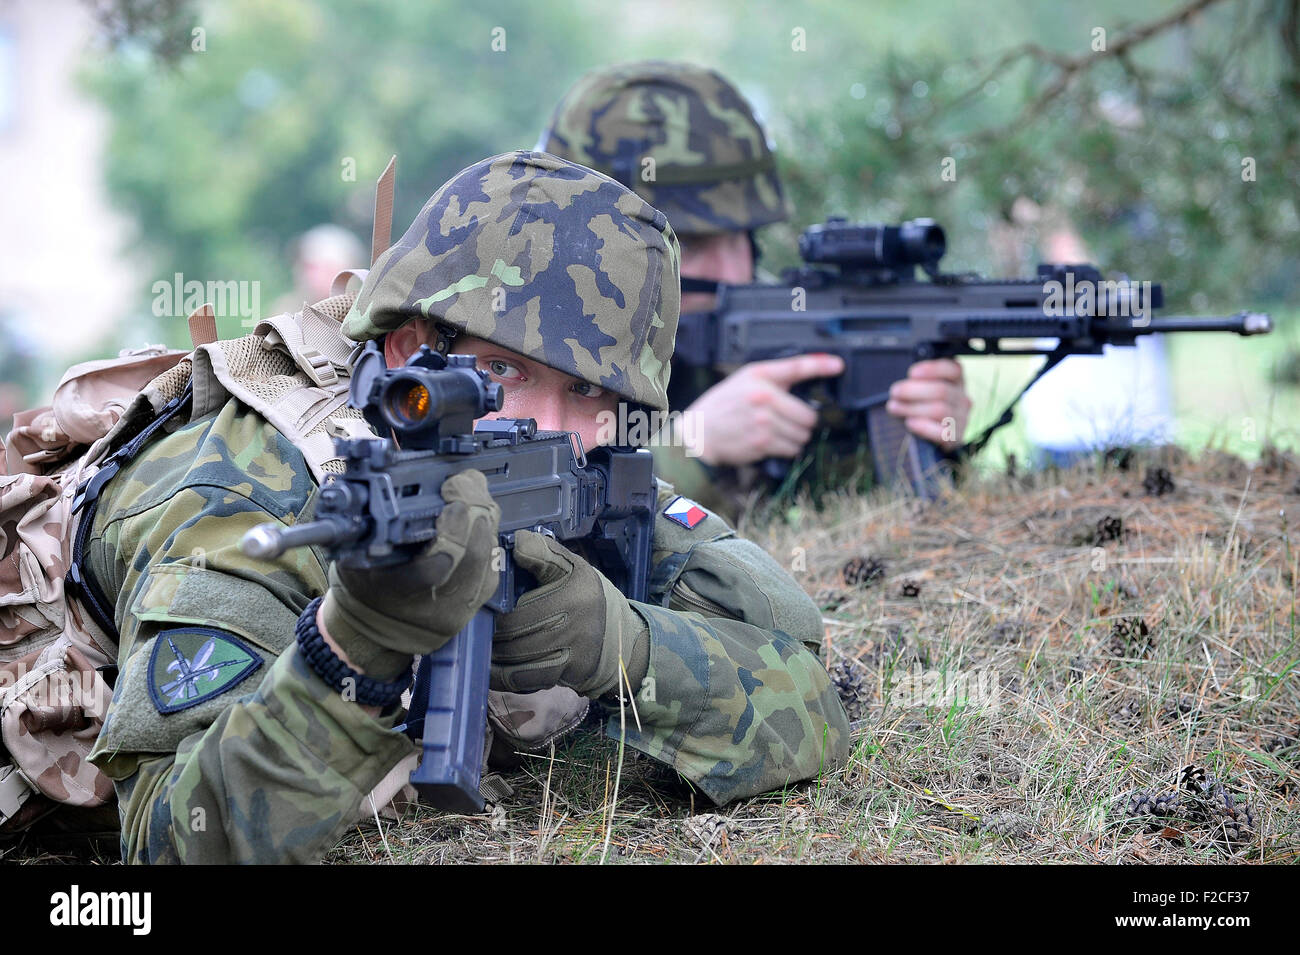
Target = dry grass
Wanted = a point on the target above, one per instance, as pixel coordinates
(1012, 610)
(1029, 592)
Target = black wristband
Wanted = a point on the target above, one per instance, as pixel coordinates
(325, 662)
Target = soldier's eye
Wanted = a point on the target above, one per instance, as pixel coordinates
(503, 369)
(587, 389)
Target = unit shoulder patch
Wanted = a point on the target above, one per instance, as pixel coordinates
(685, 512)
(191, 664)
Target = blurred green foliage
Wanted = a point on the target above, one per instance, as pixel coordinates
(224, 154)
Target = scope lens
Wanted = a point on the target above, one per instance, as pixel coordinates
(410, 404)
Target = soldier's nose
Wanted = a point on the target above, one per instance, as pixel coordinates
(546, 410)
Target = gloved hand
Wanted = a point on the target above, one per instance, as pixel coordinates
(570, 629)
(382, 616)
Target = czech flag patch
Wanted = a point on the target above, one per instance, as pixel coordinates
(685, 512)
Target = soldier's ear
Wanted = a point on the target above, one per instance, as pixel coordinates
(401, 343)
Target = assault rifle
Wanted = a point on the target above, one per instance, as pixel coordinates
(870, 308)
(381, 511)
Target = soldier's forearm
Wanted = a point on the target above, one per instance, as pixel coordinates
(276, 778)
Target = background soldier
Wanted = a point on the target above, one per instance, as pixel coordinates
(685, 140)
(269, 762)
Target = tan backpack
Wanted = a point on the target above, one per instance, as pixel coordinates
(53, 656)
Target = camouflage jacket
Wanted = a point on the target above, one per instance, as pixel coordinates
(262, 762)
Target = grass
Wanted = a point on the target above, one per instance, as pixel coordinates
(1029, 586)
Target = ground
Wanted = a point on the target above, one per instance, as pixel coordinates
(1025, 661)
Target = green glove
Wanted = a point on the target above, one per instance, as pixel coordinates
(382, 616)
(568, 631)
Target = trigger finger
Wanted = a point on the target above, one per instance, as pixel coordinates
(542, 557)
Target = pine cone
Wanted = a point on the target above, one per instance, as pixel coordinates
(910, 588)
(1140, 804)
(1109, 529)
(1195, 781)
(1130, 637)
(707, 828)
(1078, 669)
(1117, 457)
(1233, 822)
(1185, 706)
(830, 598)
(849, 680)
(863, 570)
(1003, 824)
(1009, 631)
(1158, 482)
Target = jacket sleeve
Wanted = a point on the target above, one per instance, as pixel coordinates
(736, 698)
(270, 767)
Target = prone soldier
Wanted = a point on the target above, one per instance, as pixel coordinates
(229, 740)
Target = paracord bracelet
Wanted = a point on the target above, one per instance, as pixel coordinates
(325, 662)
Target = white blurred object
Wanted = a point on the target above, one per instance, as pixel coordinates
(1090, 402)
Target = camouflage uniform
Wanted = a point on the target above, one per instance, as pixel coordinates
(272, 764)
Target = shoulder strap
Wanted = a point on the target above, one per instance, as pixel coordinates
(203, 325)
(76, 583)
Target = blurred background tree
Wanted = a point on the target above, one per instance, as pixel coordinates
(1163, 131)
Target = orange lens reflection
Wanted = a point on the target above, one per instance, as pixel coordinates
(415, 403)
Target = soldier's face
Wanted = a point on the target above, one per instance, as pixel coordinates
(558, 402)
(725, 257)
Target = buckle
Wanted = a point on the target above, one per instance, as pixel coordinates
(318, 368)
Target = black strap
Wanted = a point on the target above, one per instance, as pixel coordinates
(976, 446)
(77, 583)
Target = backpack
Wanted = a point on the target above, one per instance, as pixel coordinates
(58, 650)
(58, 646)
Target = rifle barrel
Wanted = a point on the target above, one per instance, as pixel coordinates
(1242, 323)
(267, 541)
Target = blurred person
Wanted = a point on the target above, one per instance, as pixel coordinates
(320, 253)
(1089, 403)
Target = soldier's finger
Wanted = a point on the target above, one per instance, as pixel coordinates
(780, 447)
(923, 389)
(469, 486)
(945, 369)
(790, 371)
(934, 410)
(795, 411)
(542, 557)
(926, 428)
(791, 431)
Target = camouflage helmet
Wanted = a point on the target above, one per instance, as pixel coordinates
(546, 258)
(681, 136)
